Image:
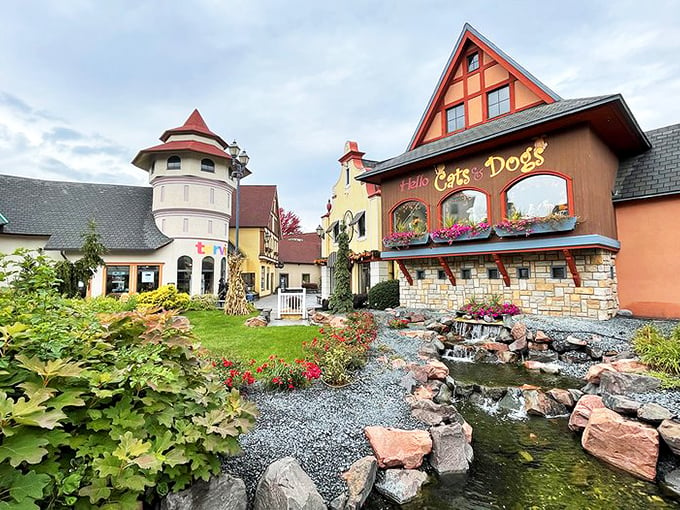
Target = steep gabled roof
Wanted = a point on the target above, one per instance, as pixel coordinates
(300, 249)
(470, 35)
(654, 173)
(257, 202)
(62, 210)
(194, 125)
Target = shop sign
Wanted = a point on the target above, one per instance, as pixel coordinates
(148, 276)
(210, 249)
(529, 159)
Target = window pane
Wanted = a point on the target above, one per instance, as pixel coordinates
(174, 163)
(147, 278)
(184, 266)
(455, 118)
(207, 275)
(410, 217)
(537, 196)
(498, 101)
(473, 62)
(464, 206)
(117, 279)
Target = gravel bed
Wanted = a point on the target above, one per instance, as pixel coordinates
(323, 427)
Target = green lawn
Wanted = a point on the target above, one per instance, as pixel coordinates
(225, 335)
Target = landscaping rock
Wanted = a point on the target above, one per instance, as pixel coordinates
(284, 485)
(512, 401)
(438, 344)
(451, 452)
(534, 346)
(444, 395)
(538, 403)
(437, 370)
(223, 492)
(547, 368)
(424, 392)
(518, 345)
(594, 372)
(575, 394)
(339, 502)
(670, 433)
(618, 383)
(671, 482)
(574, 357)
(626, 444)
(563, 346)
(576, 341)
(484, 356)
(505, 336)
(519, 331)
(494, 346)
(338, 321)
(506, 356)
(563, 397)
(256, 322)
(582, 411)
(591, 389)
(653, 413)
(621, 404)
(400, 485)
(543, 356)
(493, 393)
(542, 337)
(409, 382)
(432, 414)
(437, 327)
(360, 478)
(595, 352)
(417, 317)
(428, 350)
(464, 389)
(397, 448)
(421, 373)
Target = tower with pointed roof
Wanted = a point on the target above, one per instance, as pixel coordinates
(190, 173)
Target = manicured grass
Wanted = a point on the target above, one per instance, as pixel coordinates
(225, 335)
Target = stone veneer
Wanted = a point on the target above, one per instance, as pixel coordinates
(596, 298)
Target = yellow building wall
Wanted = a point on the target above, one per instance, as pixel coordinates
(249, 244)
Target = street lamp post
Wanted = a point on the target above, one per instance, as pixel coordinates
(239, 160)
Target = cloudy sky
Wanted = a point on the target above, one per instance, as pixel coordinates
(85, 84)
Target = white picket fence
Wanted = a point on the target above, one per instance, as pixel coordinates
(292, 302)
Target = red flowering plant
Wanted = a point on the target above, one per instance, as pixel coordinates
(399, 238)
(397, 323)
(457, 230)
(235, 373)
(492, 308)
(278, 374)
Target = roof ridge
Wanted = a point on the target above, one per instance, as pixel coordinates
(88, 183)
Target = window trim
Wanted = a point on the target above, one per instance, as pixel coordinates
(463, 273)
(446, 115)
(440, 215)
(510, 184)
(207, 167)
(511, 100)
(488, 273)
(470, 56)
(412, 199)
(552, 272)
(520, 270)
(178, 161)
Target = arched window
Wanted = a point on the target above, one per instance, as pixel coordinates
(174, 163)
(467, 206)
(184, 266)
(207, 165)
(207, 275)
(537, 196)
(410, 216)
(223, 268)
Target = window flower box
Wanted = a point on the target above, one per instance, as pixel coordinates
(403, 239)
(461, 232)
(530, 226)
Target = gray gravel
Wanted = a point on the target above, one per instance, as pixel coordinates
(323, 427)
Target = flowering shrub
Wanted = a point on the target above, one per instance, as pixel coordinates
(233, 373)
(526, 225)
(277, 374)
(493, 308)
(458, 229)
(397, 323)
(400, 238)
(339, 351)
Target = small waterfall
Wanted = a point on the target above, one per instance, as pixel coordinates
(489, 406)
(477, 330)
(462, 353)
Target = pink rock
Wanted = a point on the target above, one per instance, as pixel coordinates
(424, 393)
(494, 346)
(437, 370)
(581, 413)
(532, 365)
(595, 371)
(541, 337)
(534, 346)
(626, 444)
(519, 331)
(398, 363)
(562, 396)
(467, 430)
(399, 448)
(256, 322)
(629, 366)
(420, 372)
(506, 357)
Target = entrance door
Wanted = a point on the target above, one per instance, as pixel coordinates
(283, 281)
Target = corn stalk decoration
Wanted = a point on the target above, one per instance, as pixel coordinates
(235, 302)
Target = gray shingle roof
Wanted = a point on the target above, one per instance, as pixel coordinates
(655, 172)
(492, 129)
(62, 211)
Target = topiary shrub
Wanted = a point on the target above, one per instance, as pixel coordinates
(384, 295)
(166, 297)
(103, 411)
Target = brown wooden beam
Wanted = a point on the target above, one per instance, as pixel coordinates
(501, 269)
(447, 270)
(572, 267)
(403, 269)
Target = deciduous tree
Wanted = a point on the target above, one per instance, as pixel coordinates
(290, 223)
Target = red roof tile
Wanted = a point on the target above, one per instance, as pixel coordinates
(186, 145)
(257, 202)
(300, 249)
(194, 124)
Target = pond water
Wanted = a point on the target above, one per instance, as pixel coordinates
(535, 463)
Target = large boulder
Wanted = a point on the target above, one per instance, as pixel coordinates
(398, 448)
(670, 432)
(582, 411)
(519, 331)
(401, 485)
(224, 492)
(564, 397)
(437, 370)
(618, 383)
(626, 444)
(284, 485)
(432, 413)
(671, 482)
(621, 404)
(538, 403)
(360, 478)
(451, 452)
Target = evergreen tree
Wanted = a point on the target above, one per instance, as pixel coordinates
(82, 270)
(341, 300)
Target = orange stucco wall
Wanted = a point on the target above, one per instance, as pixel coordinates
(647, 265)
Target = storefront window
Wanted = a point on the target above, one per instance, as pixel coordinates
(410, 217)
(147, 278)
(184, 266)
(467, 206)
(207, 275)
(223, 268)
(117, 279)
(248, 280)
(537, 196)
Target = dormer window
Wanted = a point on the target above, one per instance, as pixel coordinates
(498, 101)
(473, 62)
(207, 165)
(174, 163)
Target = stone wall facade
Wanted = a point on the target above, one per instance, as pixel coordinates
(596, 298)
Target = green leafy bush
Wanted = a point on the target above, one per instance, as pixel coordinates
(660, 352)
(204, 302)
(102, 410)
(166, 297)
(384, 295)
